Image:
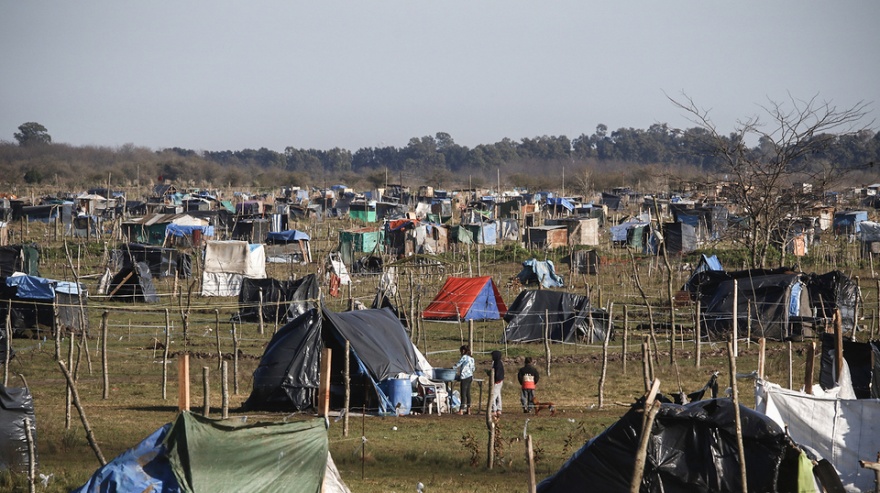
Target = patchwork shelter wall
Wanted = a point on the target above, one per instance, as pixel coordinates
(16, 405)
(842, 431)
(19, 258)
(287, 376)
(568, 314)
(466, 298)
(291, 243)
(680, 238)
(163, 262)
(834, 291)
(862, 360)
(275, 301)
(34, 299)
(693, 448)
(196, 454)
(227, 263)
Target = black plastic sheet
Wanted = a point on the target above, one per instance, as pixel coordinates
(16, 404)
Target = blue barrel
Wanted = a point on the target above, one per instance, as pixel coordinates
(399, 392)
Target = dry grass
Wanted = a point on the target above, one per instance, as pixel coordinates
(445, 453)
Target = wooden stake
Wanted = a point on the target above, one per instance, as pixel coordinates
(82, 414)
(165, 355)
(324, 383)
(636, 483)
(698, 336)
(737, 419)
(490, 423)
(623, 347)
(646, 358)
(347, 404)
(471, 334)
(605, 357)
(32, 455)
(735, 322)
(790, 376)
(546, 340)
(206, 392)
(260, 312)
(183, 396)
(105, 370)
(225, 390)
(808, 371)
(530, 459)
(234, 359)
(762, 355)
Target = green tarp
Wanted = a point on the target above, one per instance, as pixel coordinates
(267, 457)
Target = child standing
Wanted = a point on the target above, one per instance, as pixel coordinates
(528, 378)
(466, 377)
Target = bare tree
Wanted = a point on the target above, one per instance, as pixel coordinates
(759, 179)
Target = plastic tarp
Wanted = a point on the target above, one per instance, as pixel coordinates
(19, 258)
(870, 231)
(179, 230)
(843, 431)
(466, 298)
(860, 358)
(540, 271)
(693, 448)
(32, 287)
(834, 291)
(378, 339)
(281, 300)
(16, 404)
(195, 455)
(560, 202)
(289, 236)
(227, 262)
(163, 262)
(133, 284)
(568, 315)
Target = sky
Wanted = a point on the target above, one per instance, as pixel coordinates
(218, 75)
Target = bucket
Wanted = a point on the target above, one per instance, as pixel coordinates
(399, 392)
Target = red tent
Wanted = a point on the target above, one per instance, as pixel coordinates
(467, 298)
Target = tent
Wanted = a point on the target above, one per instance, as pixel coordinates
(33, 301)
(290, 245)
(706, 263)
(287, 376)
(569, 316)
(133, 284)
(163, 262)
(281, 300)
(196, 454)
(541, 272)
(19, 258)
(693, 448)
(841, 431)
(227, 263)
(466, 298)
(16, 405)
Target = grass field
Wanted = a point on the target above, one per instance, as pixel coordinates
(446, 453)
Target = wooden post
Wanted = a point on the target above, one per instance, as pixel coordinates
(347, 403)
(165, 355)
(737, 418)
(646, 372)
(69, 398)
(636, 483)
(8, 345)
(808, 371)
(32, 455)
(735, 322)
(206, 392)
(490, 423)
(530, 459)
(547, 340)
(234, 359)
(790, 377)
(605, 358)
(183, 382)
(260, 312)
(838, 345)
(71, 385)
(471, 334)
(762, 355)
(225, 390)
(698, 336)
(217, 334)
(104, 364)
(623, 347)
(324, 384)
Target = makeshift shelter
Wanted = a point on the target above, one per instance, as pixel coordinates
(19, 258)
(585, 262)
(274, 300)
(484, 233)
(227, 263)
(16, 406)
(870, 240)
(849, 222)
(549, 237)
(163, 262)
(34, 300)
(862, 360)
(288, 246)
(680, 238)
(581, 231)
(287, 376)
(358, 241)
(834, 291)
(778, 303)
(541, 272)
(569, 316)
(195, 454)
(251, 230)
(706, 263)
(466, 298)
(133, 284)
(841, 431)
(363, 211)
(152, 229)
(693, 448)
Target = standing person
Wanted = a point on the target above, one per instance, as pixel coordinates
(498, 366)
(466, 377)
(528, 378)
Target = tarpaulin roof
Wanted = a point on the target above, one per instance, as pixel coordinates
(179, 230)
(286, 236)
(567, 313)
(378, 339)
(467, 298)
(693, 448)
(197, 455)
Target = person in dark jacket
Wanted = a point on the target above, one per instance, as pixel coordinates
(498, 367)
(528, 378)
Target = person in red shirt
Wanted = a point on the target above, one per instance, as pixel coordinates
(528, 379)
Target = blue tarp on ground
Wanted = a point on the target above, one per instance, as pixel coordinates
(541, 271)
(286, 236)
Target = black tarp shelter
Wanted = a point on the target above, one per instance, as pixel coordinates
(19, 258)
(834, 291)
(163, 262)
(569, 315)
(287, 376)
(281, 300)
(693, 448)
(16, 405)
(133, 284)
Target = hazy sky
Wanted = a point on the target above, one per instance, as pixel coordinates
(217, 75)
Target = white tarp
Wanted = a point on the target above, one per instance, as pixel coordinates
(843, 431)
(227, 262)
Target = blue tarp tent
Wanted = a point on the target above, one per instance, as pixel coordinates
(542, 271)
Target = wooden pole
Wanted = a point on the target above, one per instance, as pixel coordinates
(698, 336)
(32, 454)
(347, 389)
(790, 375)
(490, 423)
(165, 352)
(838, 345)
(530, 459)
(217, 334)
(471, 334)
(623, 347)
(737, 419)
(8, 345)
(762, 355)
(69, 398)
(735, 322)
(808, 371)
(639, 469)
(605, 357)
(234, 359)
(547, 340)
(260, 312)
(105, 370)
(324, 384)
(224, 370)
(82, 414)
(646, 357)
(183, 402)
(206, 392)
